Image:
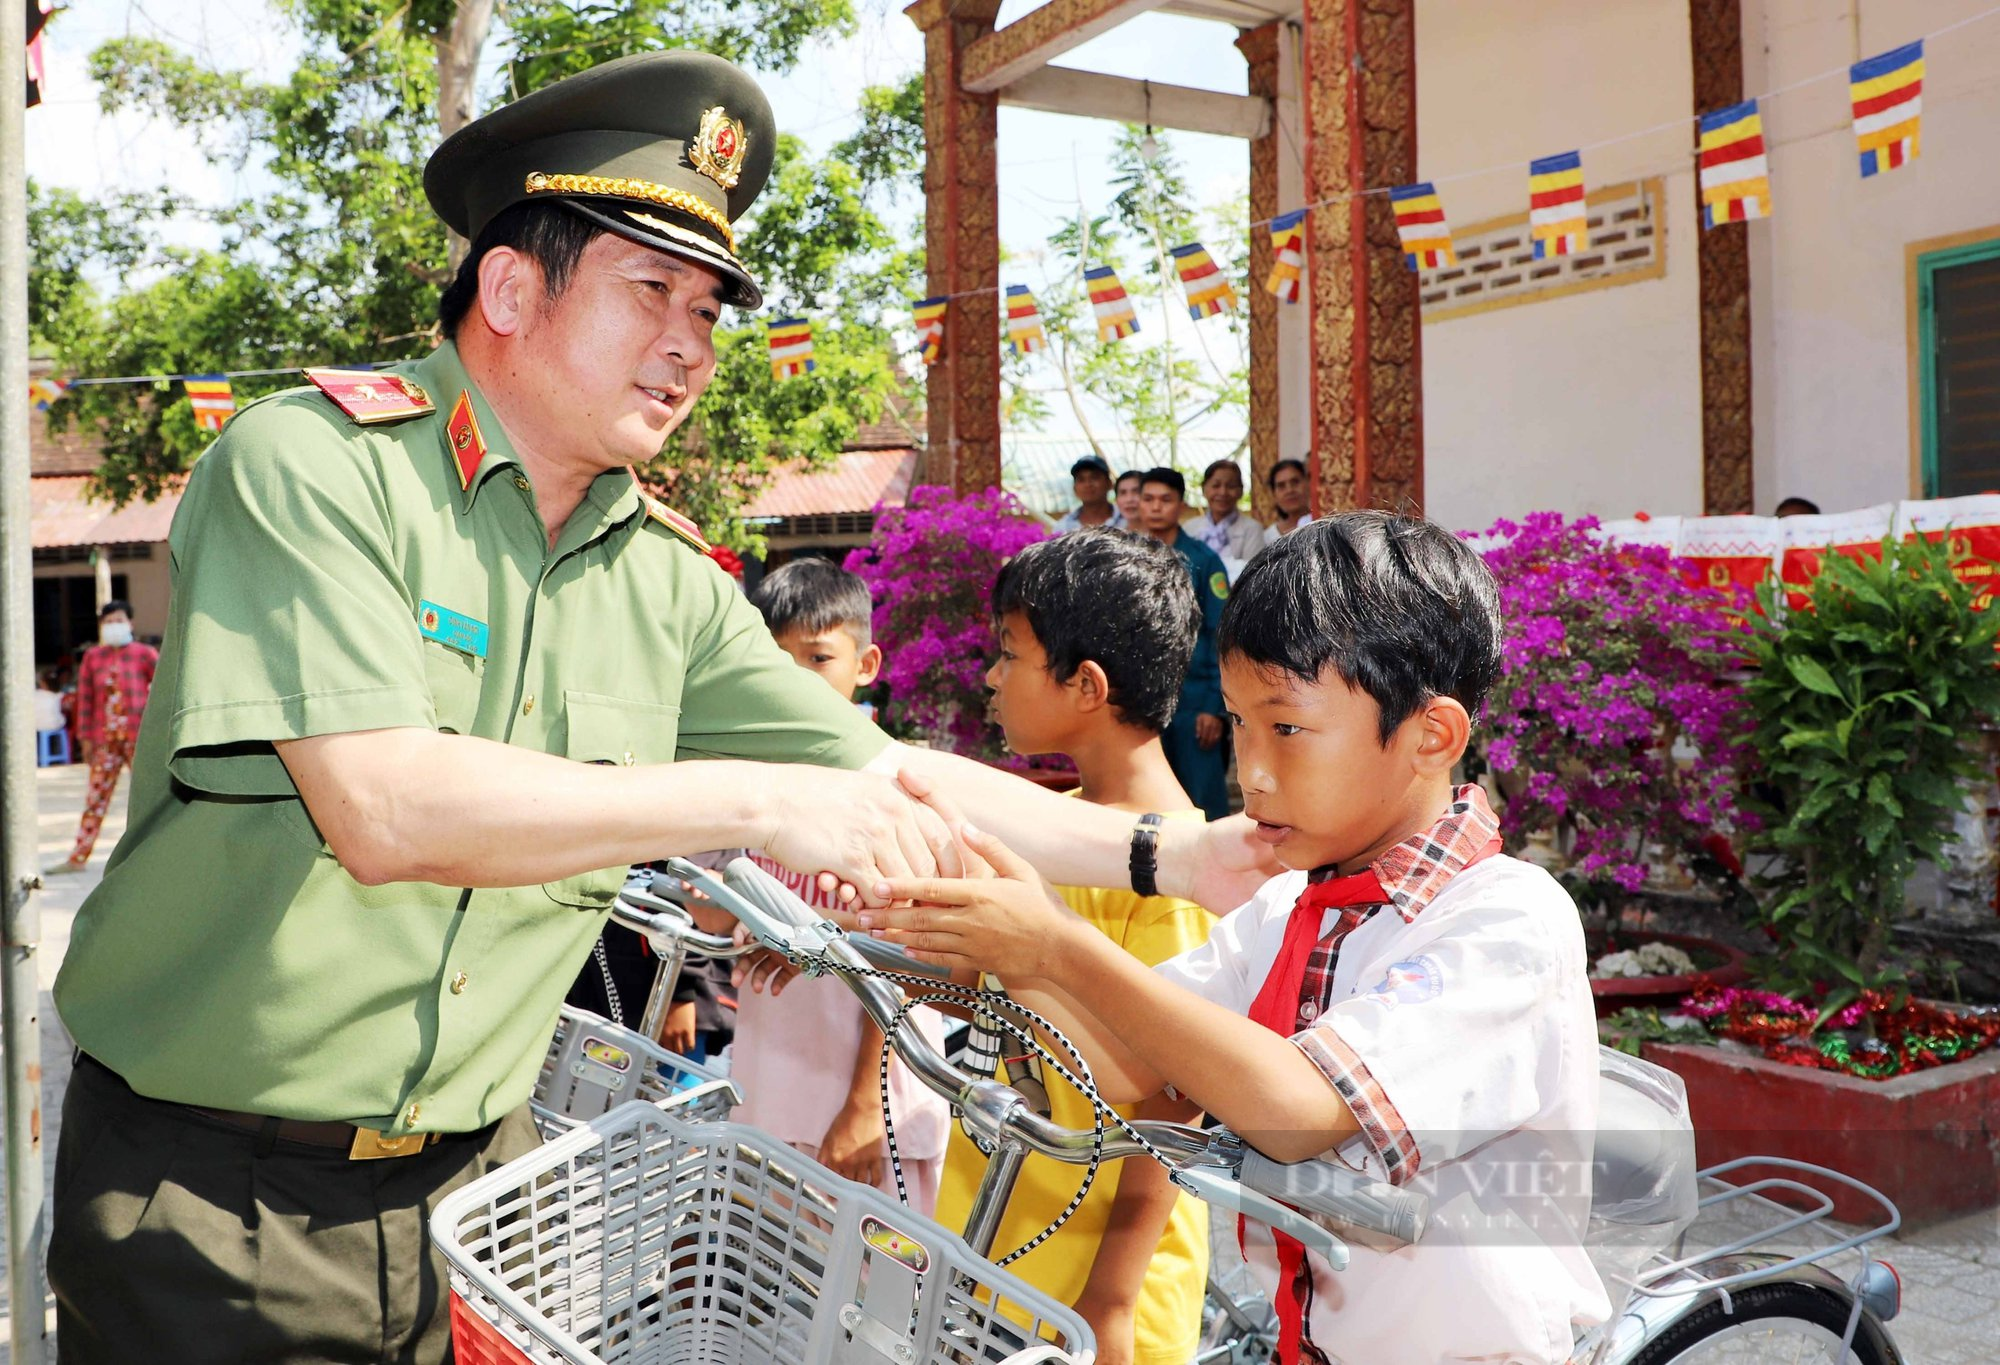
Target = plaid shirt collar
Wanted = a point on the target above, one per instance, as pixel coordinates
(1414, 871)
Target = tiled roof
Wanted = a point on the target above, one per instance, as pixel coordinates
(62, 513)
(857, 482)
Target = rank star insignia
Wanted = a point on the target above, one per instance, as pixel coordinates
(719, 148)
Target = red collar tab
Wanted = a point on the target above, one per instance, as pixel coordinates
(468, 447)
(370, 396)
(675, 522)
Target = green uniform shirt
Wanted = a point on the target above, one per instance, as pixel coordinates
(330, 577)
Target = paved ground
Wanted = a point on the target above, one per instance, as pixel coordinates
(1951, 1272)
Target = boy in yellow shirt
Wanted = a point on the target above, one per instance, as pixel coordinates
(1095, 631)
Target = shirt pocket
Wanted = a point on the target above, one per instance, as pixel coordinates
(618, 731)
(454, 678)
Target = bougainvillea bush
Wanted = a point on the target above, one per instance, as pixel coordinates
(1610, 661)
(930, 568)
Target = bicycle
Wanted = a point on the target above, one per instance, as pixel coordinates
(1727, 1304)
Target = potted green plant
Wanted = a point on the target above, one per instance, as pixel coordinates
(1868, 696)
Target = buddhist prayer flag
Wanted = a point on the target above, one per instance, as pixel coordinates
(1024, 321)
(46, 390)
(1208, 289)
(1420, 223)
(1555, 206)
(1888, 94)
(210, 397)
(1735, 173)
(929, 315)
(1115, 315)
(791, 347)
(1288, 255)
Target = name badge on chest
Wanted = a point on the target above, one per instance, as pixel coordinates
(452, 629)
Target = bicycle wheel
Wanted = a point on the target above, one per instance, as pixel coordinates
(1773, 1324)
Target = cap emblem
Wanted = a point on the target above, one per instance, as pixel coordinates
(719, 148)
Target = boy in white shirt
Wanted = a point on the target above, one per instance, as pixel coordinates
(1405, 1000)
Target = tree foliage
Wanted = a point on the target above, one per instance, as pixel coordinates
(339, 259)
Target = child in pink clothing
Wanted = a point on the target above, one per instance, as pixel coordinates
(806, 1056)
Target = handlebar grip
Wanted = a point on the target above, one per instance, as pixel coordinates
(775, 929)
(769, 894)
(1347, 1197)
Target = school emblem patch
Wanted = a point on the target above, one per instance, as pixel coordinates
(719, 148)
(1218, 583)
(1410, 983)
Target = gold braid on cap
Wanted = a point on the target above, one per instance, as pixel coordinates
(541, 182)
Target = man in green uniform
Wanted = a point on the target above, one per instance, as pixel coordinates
(436, 672)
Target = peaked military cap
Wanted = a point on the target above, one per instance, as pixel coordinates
(665, 148)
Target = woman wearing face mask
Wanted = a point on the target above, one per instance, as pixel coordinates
(111, 688)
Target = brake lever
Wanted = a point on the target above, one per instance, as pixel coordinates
(805, 942)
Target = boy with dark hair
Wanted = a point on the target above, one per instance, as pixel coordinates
(1405, 1000)
(806, 1054)
(1194, 739)
(1095, 629)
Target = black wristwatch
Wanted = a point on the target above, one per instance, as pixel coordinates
(1145, 860)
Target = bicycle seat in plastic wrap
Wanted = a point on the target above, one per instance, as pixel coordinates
(1643, 1188)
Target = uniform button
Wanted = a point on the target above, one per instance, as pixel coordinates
(410, 1118)
(528, 707)
(521, 482)
(458, 983)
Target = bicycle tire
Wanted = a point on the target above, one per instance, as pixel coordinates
(1784, 1301)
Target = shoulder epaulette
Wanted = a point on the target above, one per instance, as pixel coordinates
(372, 396)
(675, 522)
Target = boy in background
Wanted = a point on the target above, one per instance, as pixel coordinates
(806, 1054)
(1406, 1000)
(1095, 630)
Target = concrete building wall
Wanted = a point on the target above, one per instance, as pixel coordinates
(1835, 354)
(1590, 403)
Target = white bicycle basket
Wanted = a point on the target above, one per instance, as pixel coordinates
(594, 1065)
(640, 1238)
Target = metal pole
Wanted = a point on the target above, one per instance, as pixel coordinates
(20, 879)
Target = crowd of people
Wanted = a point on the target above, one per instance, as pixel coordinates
(438, 673)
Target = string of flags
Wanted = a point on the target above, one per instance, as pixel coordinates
(1733, 180)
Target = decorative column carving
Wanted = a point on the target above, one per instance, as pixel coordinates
(1715, 30)
(1360, 87)
(1260, 49)
(962, 246)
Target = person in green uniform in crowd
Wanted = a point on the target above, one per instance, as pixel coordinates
(1194, 739)
(436, 672)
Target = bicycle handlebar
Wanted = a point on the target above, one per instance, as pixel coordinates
(1214, 1164)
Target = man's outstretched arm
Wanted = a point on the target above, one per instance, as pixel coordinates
(1073, 843)
(410, 804)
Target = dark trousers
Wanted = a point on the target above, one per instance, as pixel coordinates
(176, 1240)
(1202, 773)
